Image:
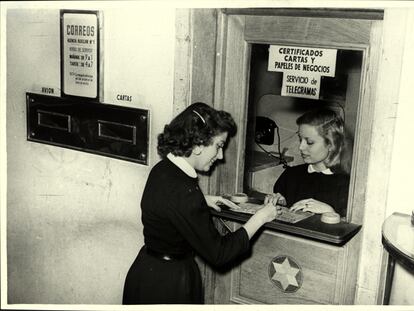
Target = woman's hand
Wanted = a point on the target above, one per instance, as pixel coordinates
(275, 199)
(312, 205)
(212, 201)
(268, 212)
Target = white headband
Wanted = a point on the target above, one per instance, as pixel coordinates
(202, 119)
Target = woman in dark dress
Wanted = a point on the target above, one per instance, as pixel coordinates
(176, 216)
(321, 184)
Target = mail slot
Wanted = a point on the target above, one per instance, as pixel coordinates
(54, 120)
(83, 125)
(117, 131)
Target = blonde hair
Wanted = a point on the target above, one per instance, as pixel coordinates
(331, 128)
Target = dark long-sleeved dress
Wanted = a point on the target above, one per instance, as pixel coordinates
(176, 221)
(296, 184)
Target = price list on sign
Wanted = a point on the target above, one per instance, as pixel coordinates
(302, 68)
(80, 54)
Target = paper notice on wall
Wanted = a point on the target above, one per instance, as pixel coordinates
(300, 85)
(302, 68)
(80, 54)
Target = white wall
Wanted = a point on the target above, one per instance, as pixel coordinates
(402, 171)
(73, 218)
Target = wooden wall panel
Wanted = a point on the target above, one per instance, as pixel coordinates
(194, 80)
(382, 92)
(247, 282)
(231, 70)
(310, 31)
(203, 43)
(371, 14)
(182, 58)
(349, 274)
(234, 100)
(318, 263)
(203, 36)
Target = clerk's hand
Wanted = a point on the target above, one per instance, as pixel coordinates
(312, 205)
(212, 201)
(275, 198)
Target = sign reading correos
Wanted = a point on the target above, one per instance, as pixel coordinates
(80, 54)
(302, 68)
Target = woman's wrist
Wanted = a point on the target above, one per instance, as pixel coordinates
(256, 221)
(253, 224)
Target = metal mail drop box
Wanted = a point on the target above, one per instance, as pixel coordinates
(103, 129)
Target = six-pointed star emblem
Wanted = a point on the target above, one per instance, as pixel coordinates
(285, 273)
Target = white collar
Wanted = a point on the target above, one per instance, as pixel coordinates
(182, 164)
(326, 171)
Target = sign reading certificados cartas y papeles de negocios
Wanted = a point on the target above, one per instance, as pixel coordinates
(80, 54)
(302, 68)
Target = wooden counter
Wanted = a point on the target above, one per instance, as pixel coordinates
(310, 228)
(309, 262)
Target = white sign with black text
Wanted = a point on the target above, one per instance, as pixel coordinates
(302, 68)
(80, 54)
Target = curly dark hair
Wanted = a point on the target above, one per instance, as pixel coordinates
(332, 128)
(195, 126)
